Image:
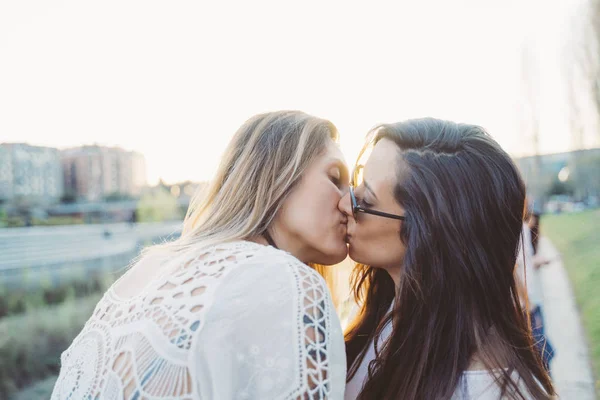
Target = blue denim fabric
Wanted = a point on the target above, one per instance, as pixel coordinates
(540, 340)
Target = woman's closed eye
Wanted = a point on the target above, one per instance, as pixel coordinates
(363, 203)
(336, 180)
(336, 177)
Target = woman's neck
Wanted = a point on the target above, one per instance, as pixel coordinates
(394, 273)
(476, 363)
(281, 242)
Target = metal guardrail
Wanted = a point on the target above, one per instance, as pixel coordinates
(41, 246)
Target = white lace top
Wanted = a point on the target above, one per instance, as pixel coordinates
(241, 321)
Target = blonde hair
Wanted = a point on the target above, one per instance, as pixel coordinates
(261, 165)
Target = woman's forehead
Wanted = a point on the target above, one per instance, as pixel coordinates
(383, 158)
(379, 171)
(333, 154)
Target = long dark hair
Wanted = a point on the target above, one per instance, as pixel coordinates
(463, 199)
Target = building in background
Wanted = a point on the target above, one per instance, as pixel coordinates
(31, 174)
(94, 173)
(6, 174)
(132, 178)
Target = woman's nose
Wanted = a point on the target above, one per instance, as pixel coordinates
(344, 204)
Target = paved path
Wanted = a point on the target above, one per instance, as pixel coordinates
(571, 367)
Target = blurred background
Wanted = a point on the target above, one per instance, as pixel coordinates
(113, 114)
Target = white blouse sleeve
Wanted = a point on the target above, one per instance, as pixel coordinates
(271, 333)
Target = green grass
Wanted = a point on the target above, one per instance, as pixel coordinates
(577, 237)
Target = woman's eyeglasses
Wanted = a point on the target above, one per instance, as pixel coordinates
(356, 180)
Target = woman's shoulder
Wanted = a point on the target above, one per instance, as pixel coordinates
(271, 285)
(265, 260)
(243, 252)
(274, 265)
(269, 317)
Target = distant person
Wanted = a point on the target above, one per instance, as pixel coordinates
(133, 217)
(533, 221)
(232, 309)
(528, 263)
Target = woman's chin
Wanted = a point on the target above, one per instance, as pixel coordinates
(355, 255)
(335, 256)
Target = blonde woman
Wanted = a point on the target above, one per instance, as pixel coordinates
(231, 310)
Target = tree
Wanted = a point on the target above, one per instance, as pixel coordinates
(582, 71)
(586, 177)
(530, 121)
(157, 205)
(560, 188)
(117, 196)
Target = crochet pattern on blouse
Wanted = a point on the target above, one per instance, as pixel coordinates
(235, 321)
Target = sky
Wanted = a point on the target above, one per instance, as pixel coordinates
(174, 80)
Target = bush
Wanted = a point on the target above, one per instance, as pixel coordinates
(41, 390)
(158, 205)
(15, 222)
(18, 302)
(58, 220)
(31, 343)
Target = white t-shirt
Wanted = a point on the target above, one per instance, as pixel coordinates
(473, 385)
